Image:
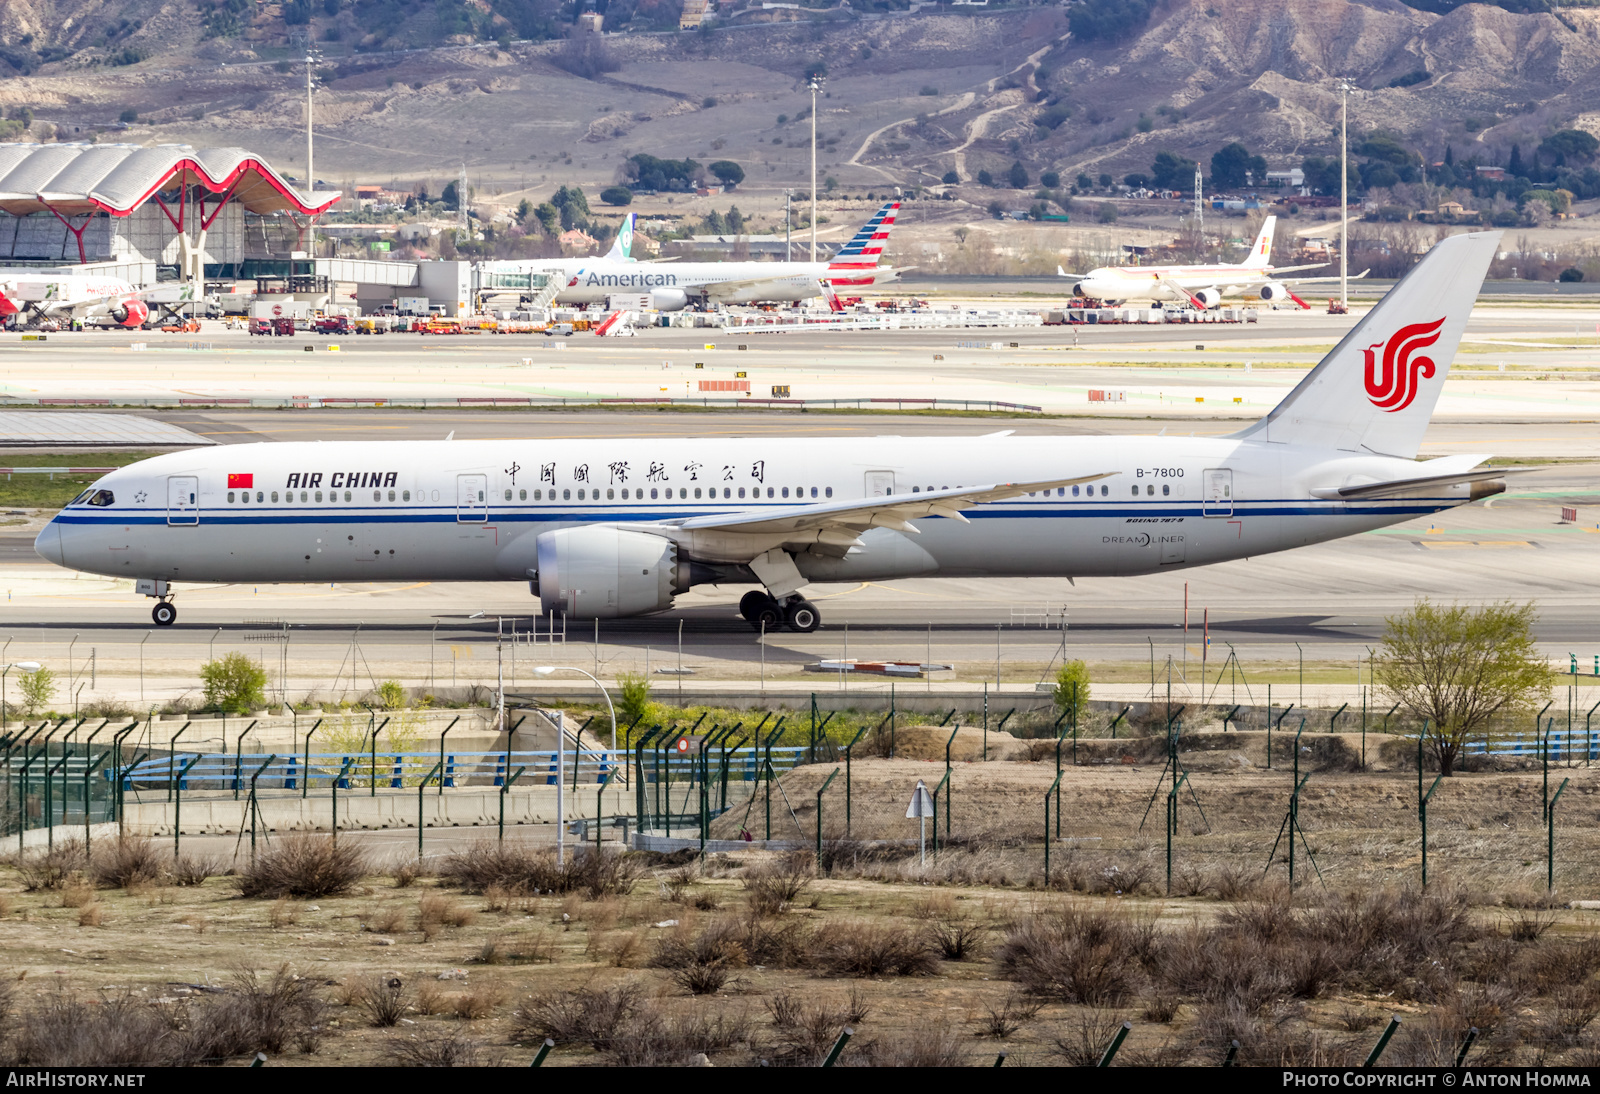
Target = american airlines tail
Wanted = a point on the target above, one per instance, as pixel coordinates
(866, 248)
(1375, 392)
(1260, 256)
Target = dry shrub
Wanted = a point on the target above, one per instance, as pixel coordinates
(49, 869)
(430, 998)
(776, 886)
(496, 898)
(518, 948)
(1169, 1053)
(1271, 1036)
(385, 999)
(384, 919)
(1001, 1022)
(528, 872)
(258, 1015)
(1079, 955)
(304, 865)
(435, 911)
(956, 937)
(283, 913)
(127, 863)
(805, 1030)
(864, 948)
(651, 1039)
(198, 922)
(191, 870)
(406, 872)
(60, 1029)
(91, 915)
(479, 1001)
(625, 949)
(76, 892)
(1529, 924)
(590, 1016)
(1084, 1038)
(701, 963)
(431, 1049)
(926, 1046)
(1161, 1007)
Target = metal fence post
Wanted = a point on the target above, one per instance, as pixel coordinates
(847, 788)
(255, 809)
(305, 783)
(1383, 1042)
(945, 783)
(838, 1046)
(1116, 1043)
(177, 805)
(337, 779)
(827, 783)
(1047, 794)
(1422, 813)
(1550, 840)
(421, 786)
(504, 788)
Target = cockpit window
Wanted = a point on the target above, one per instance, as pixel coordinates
(102, 498)
(81, 497)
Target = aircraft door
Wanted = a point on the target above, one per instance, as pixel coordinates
(472, 498)
(1218, 498)
(183, 499)
(879, 484)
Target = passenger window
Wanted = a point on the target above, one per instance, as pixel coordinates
(1074, 491)
(1135, 491)
(769, 491)
(319, 495)
(377, 495)
(916, 489)
(566, 495)
(652, 493)
(697, 493)
(508, 495)
(741, 491)
(244, 496)
(274, 497)
(230, 497)
(624, 493)
(1165, 490)
(259, 497)
(481, 494)
(391, 495)
(1105, 491)
(580, 493)
(406, 496)
(830, 491)
(522, 495)
(785, 491)
(683, 492)
(1150, 490)
(813, 491)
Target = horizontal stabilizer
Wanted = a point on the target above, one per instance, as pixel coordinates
(1396, 487)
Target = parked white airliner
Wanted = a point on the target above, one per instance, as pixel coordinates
(1201, 286)
(606, 528)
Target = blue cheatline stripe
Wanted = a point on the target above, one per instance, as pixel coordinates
(1042, 511)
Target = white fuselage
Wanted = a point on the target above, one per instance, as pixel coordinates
(1162, 282)
(769, 281)
(472, 510)
(82, 295)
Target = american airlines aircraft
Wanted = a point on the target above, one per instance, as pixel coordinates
(608, 528)
(1202, 286)
(674, 287)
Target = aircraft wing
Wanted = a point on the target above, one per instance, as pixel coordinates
(727, 288)
(1292, 269)
(1395, 487)
(1317, 280)
(1173, 286)
(894, 511)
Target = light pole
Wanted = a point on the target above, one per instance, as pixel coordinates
(814, 83)
(25, 666)
(561, 817)
(1345, 87)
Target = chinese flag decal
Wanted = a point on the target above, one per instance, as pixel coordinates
(241, 482)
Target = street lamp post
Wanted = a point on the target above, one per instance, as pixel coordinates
(1345, 87)
(814, 83)
(546, 670)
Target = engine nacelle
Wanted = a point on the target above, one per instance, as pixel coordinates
(1208, 298)
(669, 299)
(602, 572)
(1270, 293)
(1077, 290)
(132, 313)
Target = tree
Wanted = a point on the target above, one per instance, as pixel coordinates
(1459, 667)
(951, 179)
(730, 174)
(1050, 180)
(38, 688)
(1108, 20)
(1071, 694)
(1171, 171)
(633, 697)
(985, 179)
(617, 195)
(1106, 180)
(1514, 167)
(1231, 165)
(234, 683)
(1107, 213)
(1018, 176)
(1083, 181)
(128, 116)
(451, 195)
(1569, 148)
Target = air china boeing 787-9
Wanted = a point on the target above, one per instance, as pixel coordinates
(608, 528)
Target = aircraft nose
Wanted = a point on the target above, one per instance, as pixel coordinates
(48, 544)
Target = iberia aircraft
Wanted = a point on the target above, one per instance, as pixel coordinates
(619, 527)
(674, 287)
(40, 294)
(1202, 286)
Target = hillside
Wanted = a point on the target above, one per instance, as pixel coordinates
(910, 96)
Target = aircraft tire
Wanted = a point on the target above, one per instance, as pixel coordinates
(770, 613)
(164, 614)
(752, 602)
(802, 616)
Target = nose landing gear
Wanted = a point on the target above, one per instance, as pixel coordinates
(164, 613)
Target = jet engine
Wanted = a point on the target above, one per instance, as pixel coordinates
(1270, 293)
(132, 313)
(669, 299)
(602, 572)
(1077, 290)
(1208, 298)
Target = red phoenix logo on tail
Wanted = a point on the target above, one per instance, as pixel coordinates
(1392, 382)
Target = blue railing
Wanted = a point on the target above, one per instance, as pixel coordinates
(1564, 746)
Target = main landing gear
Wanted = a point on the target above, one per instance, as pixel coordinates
(795, 612)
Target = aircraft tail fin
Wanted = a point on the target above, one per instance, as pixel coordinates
(1376, 390)
(622, 247)
(1260, 256)
(866, 248)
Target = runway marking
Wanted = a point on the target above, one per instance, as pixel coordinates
(1487, 544)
